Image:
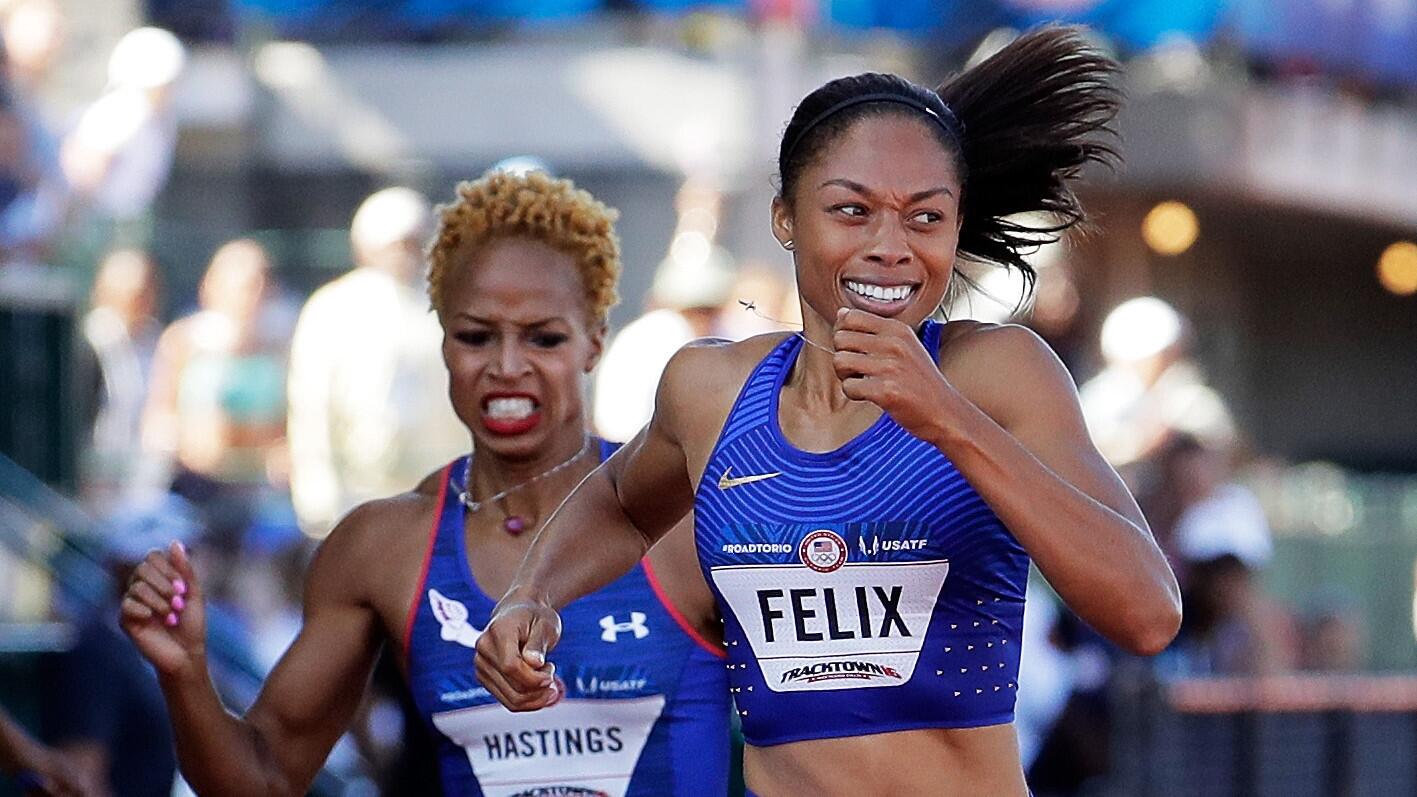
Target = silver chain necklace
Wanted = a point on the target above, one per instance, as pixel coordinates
(513, 524)
(752, 307)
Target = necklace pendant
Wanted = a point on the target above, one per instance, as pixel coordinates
(514, 525)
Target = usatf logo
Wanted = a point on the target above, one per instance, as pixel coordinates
(611, 630)
(877, 545)
(561, 791)
(841, 671)
(823, 551)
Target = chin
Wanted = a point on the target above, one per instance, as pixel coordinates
(511, 447)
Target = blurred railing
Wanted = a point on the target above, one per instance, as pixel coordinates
(1326, 736)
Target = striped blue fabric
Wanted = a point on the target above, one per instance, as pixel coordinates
(866, 589)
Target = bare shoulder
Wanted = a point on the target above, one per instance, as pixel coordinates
(376, 551)
(1005, 369)
(431, 484)
(709, 367)
(707, 373)
(699, 387)
(967, 338)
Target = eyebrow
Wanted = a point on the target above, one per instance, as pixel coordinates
(852, 185)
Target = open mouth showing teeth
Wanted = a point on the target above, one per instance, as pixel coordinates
(880, 293)
(509, 408)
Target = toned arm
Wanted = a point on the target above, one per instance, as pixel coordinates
(1019, 436)
(309, 698)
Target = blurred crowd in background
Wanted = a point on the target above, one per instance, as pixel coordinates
(231, 395)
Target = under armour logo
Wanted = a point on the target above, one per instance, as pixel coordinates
(611, 629)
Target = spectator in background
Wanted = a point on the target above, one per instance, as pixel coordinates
(368, 409)
(119, 155)
(32, 188)
(122, 331)
(1216, 532)
(1231, 627)
(686, 301)
(1333, 634)
(36, 768)
(217, 405)
(1195, 509)
(1149, 389)
(33, 33)
(1215, 515)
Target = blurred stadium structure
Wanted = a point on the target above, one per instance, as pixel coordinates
(1269, 194)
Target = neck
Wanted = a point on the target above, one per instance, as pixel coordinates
(492, 474)
(813, 376)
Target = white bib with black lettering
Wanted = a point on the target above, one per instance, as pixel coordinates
(861, 625)
(575, 747)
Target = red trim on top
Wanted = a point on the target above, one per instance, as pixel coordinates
(423, 576)
(684, 624)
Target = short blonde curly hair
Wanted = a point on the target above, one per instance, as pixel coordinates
(536, 206)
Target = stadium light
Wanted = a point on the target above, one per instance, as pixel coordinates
(1170, 228)
(1397, 268)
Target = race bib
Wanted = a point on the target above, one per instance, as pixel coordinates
(833, 623)
(576, 747)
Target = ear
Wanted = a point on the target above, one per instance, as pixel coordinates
(781, 220)
(597, 346)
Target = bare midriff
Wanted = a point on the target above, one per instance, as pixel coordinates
(942, 762)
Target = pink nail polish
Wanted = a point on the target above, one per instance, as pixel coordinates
(178, 603)
(171, 619)
(180, 586)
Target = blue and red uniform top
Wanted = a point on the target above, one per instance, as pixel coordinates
(646, 708)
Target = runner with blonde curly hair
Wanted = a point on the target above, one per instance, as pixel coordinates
(522, 275)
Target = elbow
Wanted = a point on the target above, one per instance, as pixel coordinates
(1149, 631)
(1148, 627)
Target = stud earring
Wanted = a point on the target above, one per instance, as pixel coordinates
(789, 245)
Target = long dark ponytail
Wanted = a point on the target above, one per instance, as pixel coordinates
(1034, 114)
(1020, 127)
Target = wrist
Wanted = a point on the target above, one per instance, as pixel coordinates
(526, 593)
(949, 430)
(189, 674)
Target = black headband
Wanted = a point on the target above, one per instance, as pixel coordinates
(947, 121)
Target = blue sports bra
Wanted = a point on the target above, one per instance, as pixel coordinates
(864, 590)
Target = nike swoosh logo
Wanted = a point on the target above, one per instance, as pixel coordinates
(724, 482)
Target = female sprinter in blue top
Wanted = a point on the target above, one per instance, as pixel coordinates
(523, 274)
(868, 494)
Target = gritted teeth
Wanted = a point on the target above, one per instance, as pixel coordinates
(509, 407)
(881, 293)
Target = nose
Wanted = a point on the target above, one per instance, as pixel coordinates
(511, 361)
(889, 246)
